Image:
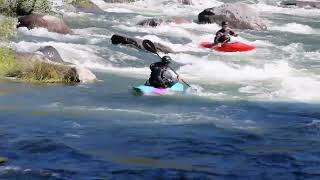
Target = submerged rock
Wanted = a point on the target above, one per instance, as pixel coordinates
(137, 43)
(185, 2)
(3, 160)
(301, 4)
(153, 22)
(239, 16)
(53, 24)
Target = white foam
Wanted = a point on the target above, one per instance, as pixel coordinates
(202, 69)
(87, 34)
(300, 89)
(81, 55)
(291, 11)
(295, 28)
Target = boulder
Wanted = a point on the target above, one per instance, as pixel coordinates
(137, 43)
(86, 6)
(119, 1)
(53, 24)
(51, 53)
(3, 160)
(153, 22)
(239, 16)
(301, 4)
(185, 2)
(37, 67)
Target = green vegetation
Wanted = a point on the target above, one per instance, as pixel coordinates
(8, 65)
(49, 73)
(25, 7)
(34, 71)
(7, 28)
(28, 68)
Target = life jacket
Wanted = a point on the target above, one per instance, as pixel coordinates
(160, 76)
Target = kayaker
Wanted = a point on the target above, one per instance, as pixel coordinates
(223, 35)
(161, 76)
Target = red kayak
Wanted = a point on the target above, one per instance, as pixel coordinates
(229, 47)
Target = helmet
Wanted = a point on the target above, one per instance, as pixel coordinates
(166, 60)
(224, 23)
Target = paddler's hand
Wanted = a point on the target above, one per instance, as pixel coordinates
(219, 44)
(179, 77)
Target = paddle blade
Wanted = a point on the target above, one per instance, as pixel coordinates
(149, 46)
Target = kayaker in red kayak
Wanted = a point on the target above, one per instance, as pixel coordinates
(223, 35)
(161, 76)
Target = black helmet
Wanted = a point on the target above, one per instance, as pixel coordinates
(224, 23)
(166, 60)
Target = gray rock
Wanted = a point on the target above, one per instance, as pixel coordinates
(185, 2)
(53, 24)
(137, 43)
(51, 53)
(86, 6)
(301, 4)
(119, 1)
(239, 16)
(153, 22)
(70, 73)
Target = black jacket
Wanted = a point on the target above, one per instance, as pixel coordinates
(161, 76)
(219, 36)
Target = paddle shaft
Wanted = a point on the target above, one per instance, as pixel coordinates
(179, 75)
(214, 46)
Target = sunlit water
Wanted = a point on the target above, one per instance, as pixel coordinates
(255, 114)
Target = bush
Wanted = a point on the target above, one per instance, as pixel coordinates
(7, 28)
(8, 65)
(49, 73)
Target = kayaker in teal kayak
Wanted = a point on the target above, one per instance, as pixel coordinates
(223, 35)
(161, 76)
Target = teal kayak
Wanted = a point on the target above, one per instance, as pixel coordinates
(143, 89)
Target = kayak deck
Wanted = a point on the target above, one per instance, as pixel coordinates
(229, 47)
(143, 89)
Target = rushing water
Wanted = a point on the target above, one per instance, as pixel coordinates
(256, 115)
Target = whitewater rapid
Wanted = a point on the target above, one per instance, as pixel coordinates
(282, 68)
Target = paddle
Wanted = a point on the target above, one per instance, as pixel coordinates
(149, 46)
(214, 46)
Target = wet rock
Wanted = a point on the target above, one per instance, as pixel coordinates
(185, 2)
(239, 16)
(153, 22)
(53, 24)
(51, 53)
(37, 67)
(86, 6)
(119, 1)
(137, 43)
(3, 160)
(301, 4)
